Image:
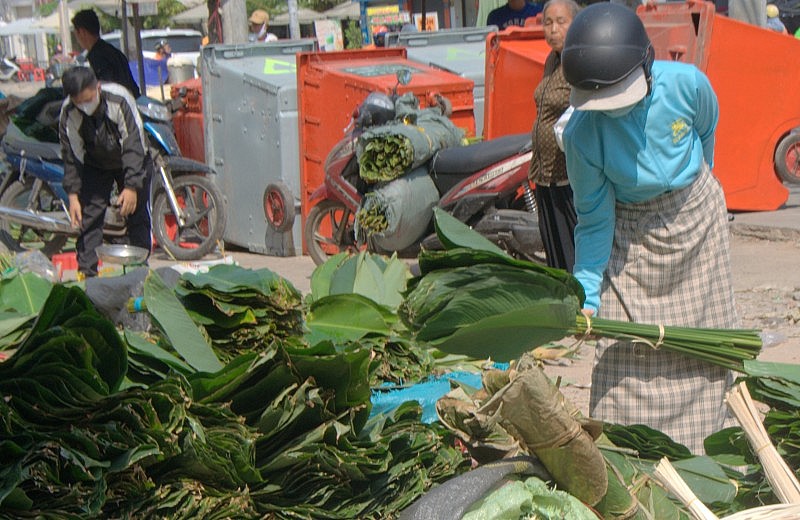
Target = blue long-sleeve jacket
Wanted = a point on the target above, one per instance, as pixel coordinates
(657, 147)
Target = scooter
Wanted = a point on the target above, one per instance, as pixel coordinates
(9, 69)
(187, 207)
(485, 185)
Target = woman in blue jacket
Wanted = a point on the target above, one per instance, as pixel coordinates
(652, 238)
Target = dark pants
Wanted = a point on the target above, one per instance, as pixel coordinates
(557, 222)
(94, 197)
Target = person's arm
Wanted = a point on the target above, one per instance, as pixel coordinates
(707, 115)
(594, 199)
(72, 179)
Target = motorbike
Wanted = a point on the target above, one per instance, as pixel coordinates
(187, 207)
(9, 69)
(485, 185)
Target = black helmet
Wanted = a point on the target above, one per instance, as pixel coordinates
(604, 44)
(161, 43)
(377, 109)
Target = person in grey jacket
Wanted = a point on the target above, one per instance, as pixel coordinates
(103, 144)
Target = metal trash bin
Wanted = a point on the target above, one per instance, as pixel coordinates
(461, 51)
(250, 115)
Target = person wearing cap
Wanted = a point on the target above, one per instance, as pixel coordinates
(651, 241)
(774, 22)
(259, 22)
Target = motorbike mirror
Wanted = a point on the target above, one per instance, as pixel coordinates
(404, 76)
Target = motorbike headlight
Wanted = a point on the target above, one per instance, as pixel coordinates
(155, 110)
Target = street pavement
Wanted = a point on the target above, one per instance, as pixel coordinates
(781, 224)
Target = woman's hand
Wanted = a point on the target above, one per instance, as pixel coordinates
(587, 312)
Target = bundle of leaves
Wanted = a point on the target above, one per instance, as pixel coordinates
(474, 293)
(353, 305)
(317, 454)
(241, 310)
(75, 446)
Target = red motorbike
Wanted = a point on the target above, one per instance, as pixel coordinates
(485, 185)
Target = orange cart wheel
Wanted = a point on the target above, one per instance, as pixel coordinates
(787, 158)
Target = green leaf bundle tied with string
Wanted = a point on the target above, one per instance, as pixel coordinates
(476, 300)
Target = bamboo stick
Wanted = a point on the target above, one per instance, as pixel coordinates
(783, 480)
(666, 474)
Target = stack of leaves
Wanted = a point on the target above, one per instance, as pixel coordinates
(240, 309)
(315, 454)
(353, 302)
(386, 152)
(466, 299)
(372, 219)
(74, 445)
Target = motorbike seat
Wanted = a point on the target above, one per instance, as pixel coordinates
(451, 165)
(16, 142)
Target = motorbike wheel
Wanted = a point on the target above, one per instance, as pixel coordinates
(329, 231)
(203, 207)
(787, 158)
(20, 237)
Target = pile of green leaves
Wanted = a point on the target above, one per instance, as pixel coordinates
(283, 432)
(317, 454)
(353, 304)
(240, 309)
(75, 446)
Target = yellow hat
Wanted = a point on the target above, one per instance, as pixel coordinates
(259, 16)
(772, 11)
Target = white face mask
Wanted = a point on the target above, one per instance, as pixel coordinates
(90, 107)
(619, 112)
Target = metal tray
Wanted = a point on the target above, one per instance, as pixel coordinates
(122, 254)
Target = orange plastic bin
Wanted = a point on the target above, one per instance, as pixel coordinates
(331, 85)
(748, 66)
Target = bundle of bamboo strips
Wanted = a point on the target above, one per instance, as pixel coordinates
(666, 474)
(783, 480)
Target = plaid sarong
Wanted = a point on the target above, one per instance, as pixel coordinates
(670, 264)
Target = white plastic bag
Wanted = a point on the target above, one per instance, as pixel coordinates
(558, 128)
